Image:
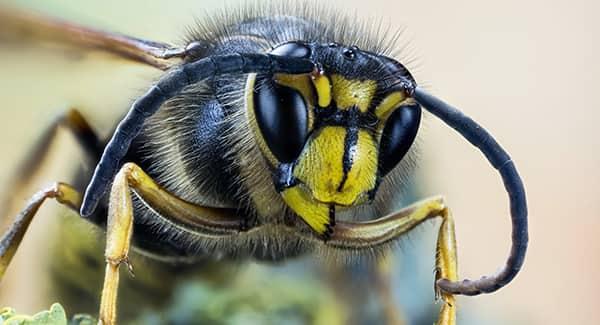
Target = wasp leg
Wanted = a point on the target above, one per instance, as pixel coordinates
(446, 267)
(118, 236)
(10, 241)
(120, 225)
(209, 221)
(366, 235)
(73, 121)
(76, 124)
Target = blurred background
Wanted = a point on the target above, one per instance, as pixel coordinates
(526, 70)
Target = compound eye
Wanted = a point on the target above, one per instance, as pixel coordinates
(398, 135)
(294, 49)
(282, 117)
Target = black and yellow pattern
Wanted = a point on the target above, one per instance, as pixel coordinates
(338, 165)
(223, 173)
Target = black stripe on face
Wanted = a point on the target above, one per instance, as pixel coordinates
(350, 142)
(346, 118)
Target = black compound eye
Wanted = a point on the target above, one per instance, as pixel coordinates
(294, 49)
(398, 135)
(282, 118)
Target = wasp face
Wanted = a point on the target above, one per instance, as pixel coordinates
(332, 135)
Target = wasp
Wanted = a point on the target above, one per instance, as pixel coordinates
(271, 134)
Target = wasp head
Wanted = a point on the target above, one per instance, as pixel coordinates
(332, 135)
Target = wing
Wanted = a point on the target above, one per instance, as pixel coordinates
(23, 26)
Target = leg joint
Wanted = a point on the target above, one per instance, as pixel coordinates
(132, 173)
(439, 207)
(62, 193)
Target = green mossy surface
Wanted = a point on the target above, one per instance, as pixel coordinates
(255, 300)
(56, 315)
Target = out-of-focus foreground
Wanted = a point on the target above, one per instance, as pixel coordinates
(524, 70)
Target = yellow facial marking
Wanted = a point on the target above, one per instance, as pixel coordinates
(388, 104)
(362, 176)
(299, 82)
(349, 93)
(321, 167)
(323, 87)
(315, 214)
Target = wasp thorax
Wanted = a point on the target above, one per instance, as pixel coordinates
(329, 136)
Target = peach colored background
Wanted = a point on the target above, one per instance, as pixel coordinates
(524, 69)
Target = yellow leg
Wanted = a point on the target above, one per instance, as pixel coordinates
(370, 235)
(446, 267)
(11, 239)
(214, 221)
(118, 238)
(211, 221)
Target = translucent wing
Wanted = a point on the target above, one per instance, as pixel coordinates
(24, 26)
